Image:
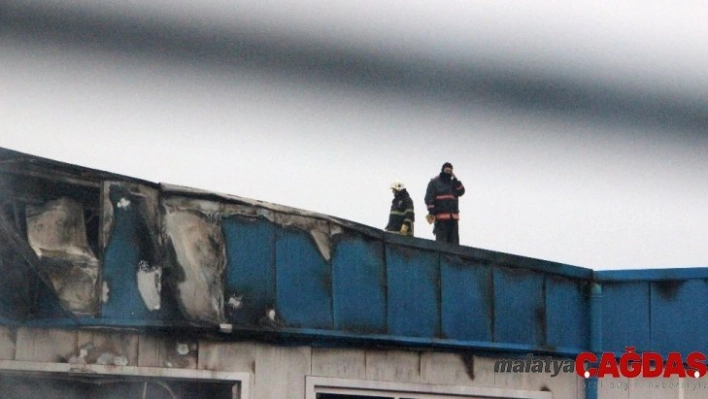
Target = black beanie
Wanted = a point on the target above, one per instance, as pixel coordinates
(446, 165)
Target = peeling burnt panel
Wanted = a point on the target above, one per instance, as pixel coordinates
(200, 257)
(217, 210)
(150, 284)
(319, 230)
(25, 279)
(146, 200)
(56, 231)
(122, 197)
(142, 201)
(320, 226)
(59, 220)
(18, 191)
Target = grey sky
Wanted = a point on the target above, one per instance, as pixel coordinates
(579, 132)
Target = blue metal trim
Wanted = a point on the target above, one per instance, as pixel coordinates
(492, 257)
(595, 334)
(379, 339)
(651, 274)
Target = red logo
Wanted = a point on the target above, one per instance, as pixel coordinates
(646, 365)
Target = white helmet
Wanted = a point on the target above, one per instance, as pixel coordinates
(398, 186)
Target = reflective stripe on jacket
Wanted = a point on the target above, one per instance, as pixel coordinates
(441, 198)
(401, 212)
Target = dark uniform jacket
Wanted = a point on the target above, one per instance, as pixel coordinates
(441, 197)
(401, 212)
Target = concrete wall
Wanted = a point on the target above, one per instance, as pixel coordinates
(277, 371)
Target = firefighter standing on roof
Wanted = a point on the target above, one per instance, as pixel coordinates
(441, 199)
(402, 216)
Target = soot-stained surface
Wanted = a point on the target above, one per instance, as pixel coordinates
(56, 232)
(200, 256)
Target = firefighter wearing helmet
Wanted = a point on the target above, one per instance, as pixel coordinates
(402, 216)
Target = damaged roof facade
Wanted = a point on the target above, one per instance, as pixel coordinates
(105, 247)
(81, 248)
(111, 250)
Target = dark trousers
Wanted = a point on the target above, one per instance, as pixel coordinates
(446, 230)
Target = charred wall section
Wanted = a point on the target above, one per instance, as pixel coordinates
(121, 252)
(104, 250)
(59, 223)
(261, 267)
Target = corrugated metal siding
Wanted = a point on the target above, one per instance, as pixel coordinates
(566, 312)
(303, 278)
(625, 316)
(679, 317)
(413, 292)
(467, 299)
(250, 268)
(519, 311)
(359, 285)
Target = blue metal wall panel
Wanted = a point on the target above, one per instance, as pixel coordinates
(615, 276)
(359, 285)
(625, 316)
(303, 281)
(679, 317)
(567, 317)
(120, 266)
(413, 292)
(519, 308)
(250, 268)
(466, 300)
